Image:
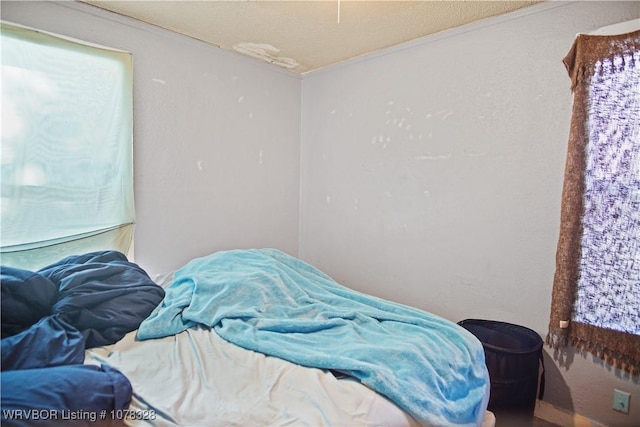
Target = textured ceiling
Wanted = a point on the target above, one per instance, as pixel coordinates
(307, 35)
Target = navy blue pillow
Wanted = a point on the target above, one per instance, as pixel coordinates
(50, 342)
(102, 295)
(26, 298)
(52, 396)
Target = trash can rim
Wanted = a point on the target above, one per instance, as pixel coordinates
(530, 332)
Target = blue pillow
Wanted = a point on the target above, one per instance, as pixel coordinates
(50, 342)
(74, 395)
(102, 295)
(26, 298)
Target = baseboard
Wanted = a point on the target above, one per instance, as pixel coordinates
(553, 414)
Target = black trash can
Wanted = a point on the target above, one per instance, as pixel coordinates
(513, 356)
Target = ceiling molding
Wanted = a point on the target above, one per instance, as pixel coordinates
(452, 32)
(306, 35)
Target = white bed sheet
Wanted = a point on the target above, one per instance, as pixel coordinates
(196, 378)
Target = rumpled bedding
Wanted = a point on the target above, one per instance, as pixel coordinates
(49, 318)
(196, 378)
(266, 301)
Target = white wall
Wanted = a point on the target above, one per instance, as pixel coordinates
(431, 175)
(216, 137)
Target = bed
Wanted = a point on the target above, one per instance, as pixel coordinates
(242, 337)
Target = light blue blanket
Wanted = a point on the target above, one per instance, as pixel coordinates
(267, 301)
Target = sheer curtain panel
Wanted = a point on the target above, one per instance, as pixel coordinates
(67, 166)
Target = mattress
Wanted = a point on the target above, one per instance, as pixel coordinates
(196, 378)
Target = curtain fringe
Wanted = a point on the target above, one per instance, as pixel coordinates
(610, 356)
(556, 340)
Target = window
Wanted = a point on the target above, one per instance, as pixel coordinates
(596, 294)
(67, 168)
(608, 294)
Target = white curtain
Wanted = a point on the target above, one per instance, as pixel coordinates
(67, 166)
